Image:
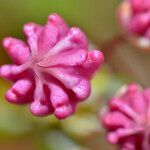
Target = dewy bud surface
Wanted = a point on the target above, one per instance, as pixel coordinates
(52, 70)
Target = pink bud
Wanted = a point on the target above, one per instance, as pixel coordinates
(127, 118)
(52, 70)
(134, 16)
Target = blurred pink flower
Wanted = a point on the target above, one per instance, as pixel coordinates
(127, 119)
(134, 17)
(52, 70)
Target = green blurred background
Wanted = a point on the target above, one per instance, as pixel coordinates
(19, 130)
(96, 17)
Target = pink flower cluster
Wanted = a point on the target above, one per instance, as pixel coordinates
(134, 17)
(127, 119)
(52, 70)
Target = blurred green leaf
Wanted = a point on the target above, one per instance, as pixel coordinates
(56, 140)
(13, 119)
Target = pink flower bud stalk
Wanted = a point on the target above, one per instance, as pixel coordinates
(134, 19)
(127, 119)
(52, 70)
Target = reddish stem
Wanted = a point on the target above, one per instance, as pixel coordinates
(110, 45)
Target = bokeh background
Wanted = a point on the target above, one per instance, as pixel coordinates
(124, 63)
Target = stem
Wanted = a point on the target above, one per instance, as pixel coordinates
(128, 61)
(110, 45)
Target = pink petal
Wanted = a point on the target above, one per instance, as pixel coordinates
(75, 39)
(143, 22)
(121, 133)
(66, 75)
(19, 93)
(72, 80)
(32, 32)
(47, 38)
(112, 137)
(17, 50)
(136, 4)
(129, 143)
(64, 111)
(8, 72)
(57, 21)
(83, 89)
(135, 98)
(31, 29)
(58, 96)
(39, 109)
(41, 106)
(119, 105)
(140, 5)
(67, 58)
(78, 37)
(146, 95)
(116, 119)
(146, 4)
(93, 62)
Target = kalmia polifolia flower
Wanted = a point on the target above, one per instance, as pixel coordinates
(52, 70)
(134, 18)
(127, 118)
